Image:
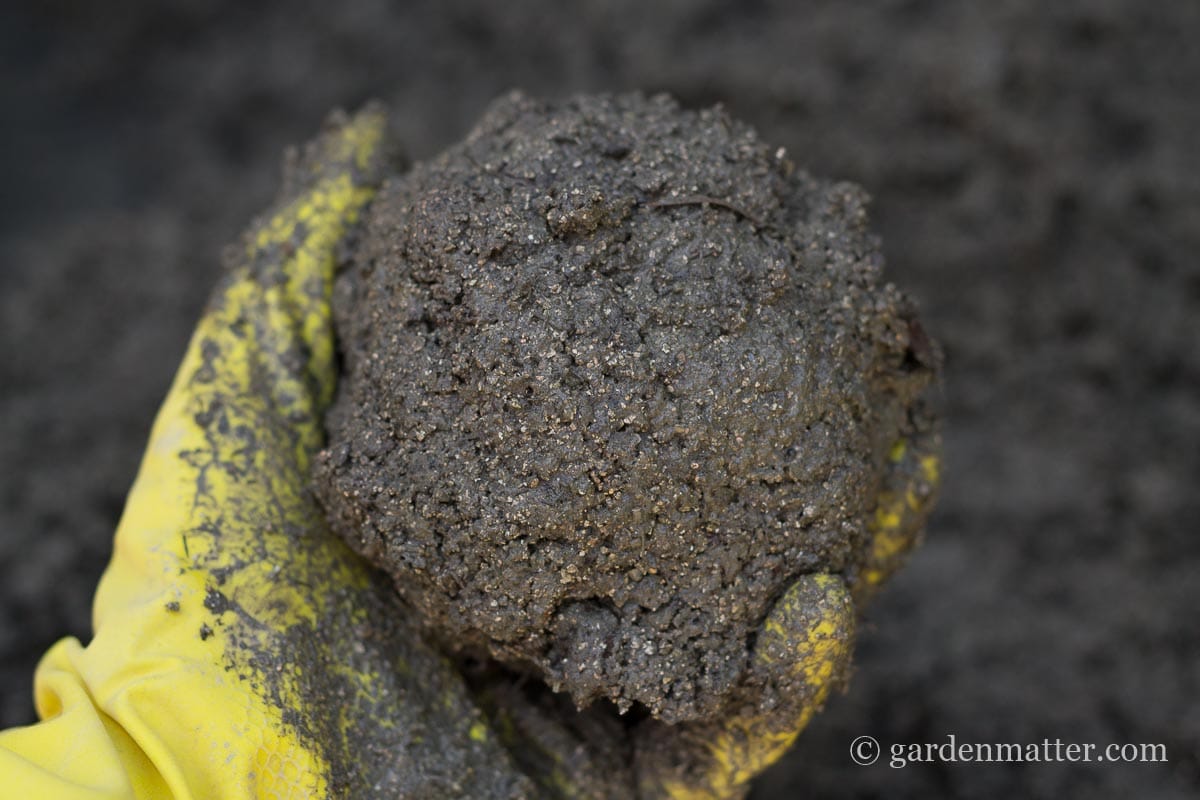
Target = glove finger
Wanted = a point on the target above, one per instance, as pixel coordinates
(903, 505)
(802, 652)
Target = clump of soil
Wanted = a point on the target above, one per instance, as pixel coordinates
(615, 374)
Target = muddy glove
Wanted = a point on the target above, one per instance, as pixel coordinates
(241, 650)
(801, 653)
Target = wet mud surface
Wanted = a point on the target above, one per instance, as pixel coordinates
(614, 375)
(1035, 182)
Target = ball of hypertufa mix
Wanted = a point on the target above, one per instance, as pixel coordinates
(614, 375)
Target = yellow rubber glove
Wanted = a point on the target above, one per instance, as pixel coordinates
(242, 651)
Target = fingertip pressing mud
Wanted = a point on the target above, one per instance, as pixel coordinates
(615, 374)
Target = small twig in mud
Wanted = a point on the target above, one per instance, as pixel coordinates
(705, 200)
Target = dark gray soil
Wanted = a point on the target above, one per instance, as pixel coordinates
(1036, 182)
(615, 374)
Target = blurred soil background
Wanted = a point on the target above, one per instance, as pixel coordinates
(1036, 174)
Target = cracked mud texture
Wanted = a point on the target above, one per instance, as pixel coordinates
(615, 374)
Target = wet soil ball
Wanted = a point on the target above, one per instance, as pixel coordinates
(614, 375)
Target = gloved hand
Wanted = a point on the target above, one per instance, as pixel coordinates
(241, 650)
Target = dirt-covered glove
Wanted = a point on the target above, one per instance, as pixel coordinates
(242, 651)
